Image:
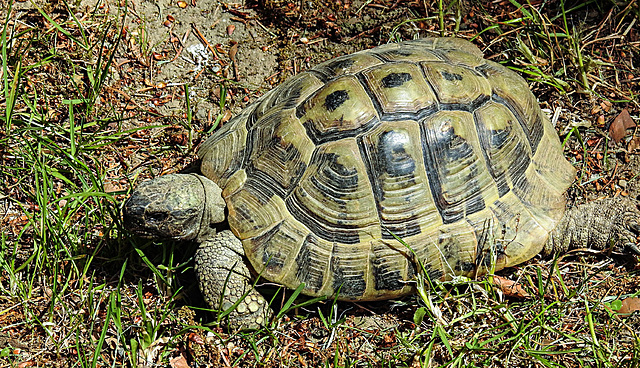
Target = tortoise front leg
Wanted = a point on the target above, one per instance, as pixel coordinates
(224, 279)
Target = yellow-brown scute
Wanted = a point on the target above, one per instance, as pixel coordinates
(423, 140)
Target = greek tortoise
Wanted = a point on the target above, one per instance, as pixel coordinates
(423, 140)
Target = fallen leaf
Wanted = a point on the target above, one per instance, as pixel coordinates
(619, 126)
(629, 305)
(232, 52)
(179, 362)
(510, 288)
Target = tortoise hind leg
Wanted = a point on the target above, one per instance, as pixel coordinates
(601, 224)
(224, 279)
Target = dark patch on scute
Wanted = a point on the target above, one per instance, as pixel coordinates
(493, 140)
(385, 278)
(503, 186)
(395, 80)
(305, 261)
(476, 202)
(272, 258)
(482, 70)
(352, 287)
(434, 274)
(337, 67)
(300, 111)
(259, 189)
(533, 130)
(441, 148)
(276, 153)
(485, 258)
(335, 99)
(499, 137)
(468, 107)
(502, 211)
(333, 232)
(262, 185)
(404, 228)
(519, 166)
(464, 267)
(336, 174)
(318, 137)
(451, 76)
(390, 55)
(451, 250)
(392, 156)
(413, 116)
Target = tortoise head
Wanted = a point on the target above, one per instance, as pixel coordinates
(175, 206)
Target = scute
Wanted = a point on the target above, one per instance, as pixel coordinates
(423, 140)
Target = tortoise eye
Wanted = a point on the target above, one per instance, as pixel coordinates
(157, 216)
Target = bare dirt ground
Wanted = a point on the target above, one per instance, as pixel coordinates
(174, 62)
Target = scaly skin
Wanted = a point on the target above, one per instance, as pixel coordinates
(609, 223)
(224, 279)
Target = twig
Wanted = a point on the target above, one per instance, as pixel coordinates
(204, 41)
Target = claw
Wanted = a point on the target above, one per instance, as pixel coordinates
(633, 248)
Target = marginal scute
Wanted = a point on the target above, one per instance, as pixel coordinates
(390, 266)
(457, 246)
(287, 95)
(445, 44)
(411, 52)
(348, 64)
(222, 154)
(348, 270)
(270, 252)
(312, 264)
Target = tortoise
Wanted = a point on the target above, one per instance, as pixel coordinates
(355, 175)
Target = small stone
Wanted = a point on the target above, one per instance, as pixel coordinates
(622, 183)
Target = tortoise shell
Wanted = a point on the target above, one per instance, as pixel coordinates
(349, 175)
